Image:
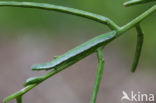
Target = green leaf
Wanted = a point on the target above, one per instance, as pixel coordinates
(140, 37)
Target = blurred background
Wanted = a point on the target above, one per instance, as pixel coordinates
(30, 36)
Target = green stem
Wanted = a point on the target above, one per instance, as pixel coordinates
(19, 93)
(19, 99)
(134, 2)
(91, 16)
(140, 37)
(99, 73)
(136, 20)
(29, 87)
(81, 13)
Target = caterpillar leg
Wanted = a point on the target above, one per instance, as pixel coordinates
(98, 74)
(140, 37)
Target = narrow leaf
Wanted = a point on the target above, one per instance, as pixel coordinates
(140, 37)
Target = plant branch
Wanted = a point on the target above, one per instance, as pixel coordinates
(91, 16)
(99, 73)
(134, 2)
(92, 46)
(81, 13)
(19, 99)
(29, 87)
(19, 93)
(136, 20)
(140, 37)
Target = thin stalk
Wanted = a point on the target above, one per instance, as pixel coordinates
(19, 99)
(140, 37)
(137, 20)
(77, 12)
(95, 17)
(99, 73)
(29, 87)
(91, 16)
(134, 2)
(19, 93)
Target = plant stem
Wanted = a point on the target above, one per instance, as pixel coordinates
(91, 16)
(99, 73)
(19, 99)
(84, 14)
(136, 20)
(134, 2)
(29, 87)
(19, 93)
(140, 37)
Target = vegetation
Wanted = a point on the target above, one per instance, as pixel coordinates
(94, 45)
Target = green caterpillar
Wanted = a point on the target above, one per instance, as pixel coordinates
(72, 56)
(77, 53)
